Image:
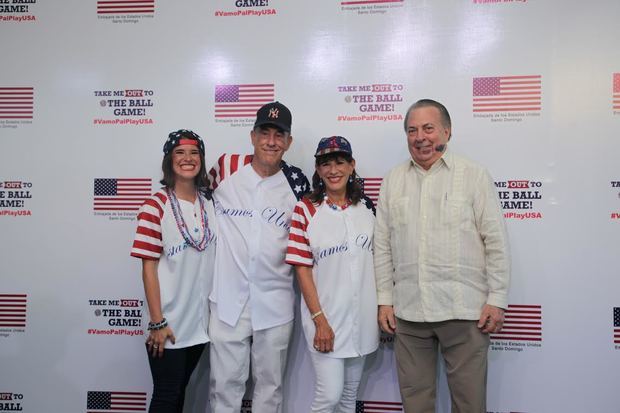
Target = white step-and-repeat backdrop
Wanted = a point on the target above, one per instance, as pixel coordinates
(90, 89)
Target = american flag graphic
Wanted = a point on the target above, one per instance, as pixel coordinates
(120, 194)
(371, 188)
(507, 93)
(616, 100)
(367, 406)
(115, 401)
(522, 322)
(617, 325)
(242, 101)
(352, 2)
(125, 6)
(13, 310)
(16, 102)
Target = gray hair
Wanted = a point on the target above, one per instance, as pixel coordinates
(424, 103)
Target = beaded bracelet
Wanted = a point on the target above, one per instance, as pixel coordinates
(157, 326)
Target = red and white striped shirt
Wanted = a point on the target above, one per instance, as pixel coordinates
(185, 274)
(337, 244)
(148, 242)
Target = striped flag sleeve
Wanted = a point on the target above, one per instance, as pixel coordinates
(298, 250)
(225, 166)
(148, 243)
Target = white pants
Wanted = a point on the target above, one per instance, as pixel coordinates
(337, 382)
(230, 351)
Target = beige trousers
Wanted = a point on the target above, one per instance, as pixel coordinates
(464, 349)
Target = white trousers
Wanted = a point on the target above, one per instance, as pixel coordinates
(337, 382)
(232, 348)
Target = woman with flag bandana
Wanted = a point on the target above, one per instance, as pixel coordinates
(175, 240)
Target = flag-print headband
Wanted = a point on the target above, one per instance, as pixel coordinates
(183, 137)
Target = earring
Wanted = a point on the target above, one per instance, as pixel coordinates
(350, 179)
(321, 184)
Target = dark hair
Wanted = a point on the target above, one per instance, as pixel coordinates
(200, 180)
(424, 103)
(354, 188)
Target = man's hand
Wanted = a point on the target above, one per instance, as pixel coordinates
(491, 319)
(386, 319)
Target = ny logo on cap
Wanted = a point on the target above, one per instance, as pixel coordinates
(273, 113)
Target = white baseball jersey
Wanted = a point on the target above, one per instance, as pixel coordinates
(185, 274)
(337, 244)
(254, 215)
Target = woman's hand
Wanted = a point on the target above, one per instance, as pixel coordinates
(157, 339)
(323, 335)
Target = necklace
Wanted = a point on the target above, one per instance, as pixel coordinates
(182, 226)
(335, 206)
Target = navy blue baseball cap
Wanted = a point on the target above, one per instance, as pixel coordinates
(333, 144)
(274, 113)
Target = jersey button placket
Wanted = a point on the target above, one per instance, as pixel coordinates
(255, 234)
(354, 254)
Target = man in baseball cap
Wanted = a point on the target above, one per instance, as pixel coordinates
(275, 114)
(252, 299)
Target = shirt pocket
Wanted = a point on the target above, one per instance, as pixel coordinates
(459, 212)
(400, 212)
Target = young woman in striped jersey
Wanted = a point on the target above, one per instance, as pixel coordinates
(175, 240)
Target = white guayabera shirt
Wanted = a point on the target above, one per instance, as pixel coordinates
(441, 246)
